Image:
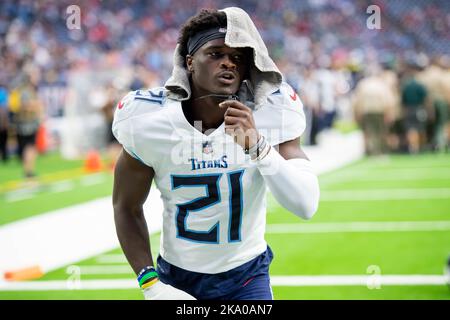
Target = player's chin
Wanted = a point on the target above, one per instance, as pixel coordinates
(227, 89)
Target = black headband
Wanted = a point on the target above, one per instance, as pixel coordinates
(200, 38)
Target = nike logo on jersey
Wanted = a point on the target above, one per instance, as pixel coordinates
(120, 105)
(203, 164)
(293, 95)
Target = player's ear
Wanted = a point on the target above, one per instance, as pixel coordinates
(189, 65)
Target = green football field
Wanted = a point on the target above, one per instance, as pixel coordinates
(379, 218)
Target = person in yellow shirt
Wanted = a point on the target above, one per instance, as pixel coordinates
(26, 121)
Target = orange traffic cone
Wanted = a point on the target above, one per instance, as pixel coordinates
(30, 273)
(41, 139)
(93, 162)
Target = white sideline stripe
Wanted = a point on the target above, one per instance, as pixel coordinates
(403, 226)
(105, 269)
(282, 281)
(358, 280)
(385, 194)
(111, 258)
(363, 175)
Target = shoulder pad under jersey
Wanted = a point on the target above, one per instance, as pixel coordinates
(282, 116)
(139, 102)
(133, 105)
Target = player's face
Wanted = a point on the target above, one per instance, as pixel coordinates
(217, 68)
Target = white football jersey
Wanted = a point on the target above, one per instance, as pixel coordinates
(214, 196)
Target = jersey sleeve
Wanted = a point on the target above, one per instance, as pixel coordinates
(133, 106)
(282, 118)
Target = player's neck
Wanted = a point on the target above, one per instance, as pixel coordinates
(205, 111)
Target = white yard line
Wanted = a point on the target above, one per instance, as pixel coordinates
(105, 269)
(371, 281)
(69, 284)
(393, 175)
(358, 280)
(62, 186)
(20, 195)
(55, 187)
(385, 194)
(343, 227)
(111, 258)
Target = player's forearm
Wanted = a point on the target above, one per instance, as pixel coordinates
(292, 182)
(133, 236)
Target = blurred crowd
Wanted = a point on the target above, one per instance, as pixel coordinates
(323, 47)
(405, 108)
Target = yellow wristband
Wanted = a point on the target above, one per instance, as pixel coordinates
(149, 284)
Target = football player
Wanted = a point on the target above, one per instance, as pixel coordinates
(223, 129)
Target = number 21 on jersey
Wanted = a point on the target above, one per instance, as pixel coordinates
(213, 197)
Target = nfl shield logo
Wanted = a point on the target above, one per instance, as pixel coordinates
(207, 147)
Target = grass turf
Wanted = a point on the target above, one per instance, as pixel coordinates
(423, 252)
(60, 183)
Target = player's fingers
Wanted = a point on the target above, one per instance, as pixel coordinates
(231, 120)
(231, 126)
(233, 103)
(231, 111)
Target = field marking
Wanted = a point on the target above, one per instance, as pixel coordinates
(385, 194)
(43, 179)
(368, 176)
(105, 269)
(20, 195)
(70, 284)
(358, 280)
(278, 281)
(111, 258)
(403, 166)
(54, 187)
(61, 186)
(342, 227)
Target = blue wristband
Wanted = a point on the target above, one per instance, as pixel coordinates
(145, 270)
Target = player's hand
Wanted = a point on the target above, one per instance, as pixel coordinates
(162, 291)
(239, 123)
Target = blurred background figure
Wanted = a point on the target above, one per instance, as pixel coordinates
(113, 95)
(26, 121)
(393, 118)
(309, 94)
(433, 78)
(327, 89)
(374, 106)
(4, 122)
(415, 108)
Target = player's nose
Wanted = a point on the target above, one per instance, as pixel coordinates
(227, 62)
